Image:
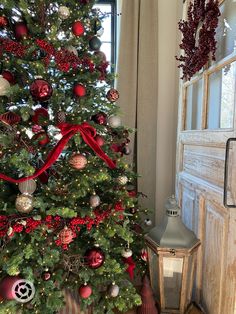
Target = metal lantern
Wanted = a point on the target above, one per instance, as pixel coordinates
(172, 251)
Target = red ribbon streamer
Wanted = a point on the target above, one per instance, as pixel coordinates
(68, 131)
(131, 266)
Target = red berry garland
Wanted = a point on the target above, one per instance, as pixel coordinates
(198, 43)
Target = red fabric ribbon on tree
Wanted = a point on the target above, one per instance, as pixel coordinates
(131, 266)
(68, 131)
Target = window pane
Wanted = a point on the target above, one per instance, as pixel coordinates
(172, 281)
(221, 98)
(106, 48)
(194, 106)
(226, 31)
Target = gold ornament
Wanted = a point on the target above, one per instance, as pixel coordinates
(63, 12)
(24, 203)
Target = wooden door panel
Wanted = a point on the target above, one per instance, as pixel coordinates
(214, 252)
(205, 162)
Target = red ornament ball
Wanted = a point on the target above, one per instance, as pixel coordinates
(78, 161)
(100, 140)
(85, 291)
(94, 257)
(79, 90)
(112, 95)
(6, 285)
(100, 118)
(9, 77)
(46, 276)
(41, 138)
(66, 236)
(41, 90)
(40, 116)
(78, 28)
(20, 30)
(3, 21)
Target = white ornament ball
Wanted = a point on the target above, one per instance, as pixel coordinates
(114, 121)
(148, 222)
(27, 187)
(122, 180)
(127, 253)
(63, 12)
(4, 86)
(114, 290)
(73, 50)
(100, 32)
(94, 201)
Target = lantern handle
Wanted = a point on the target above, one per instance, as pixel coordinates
(226, 173)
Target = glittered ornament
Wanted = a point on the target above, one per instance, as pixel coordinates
(95, 43)
(122, 180)
(60, 117)
(20, 30)
(79, 90)
(66, 236)
(41, 90)
(85, 291)
(63, 12)
(4, 86)
(78, 28)
(27, 187)
(78, 161)
(10, 118)
(112, 95)
(100, 118)
(94, 257)
(100, 140)
(3, 21)
(94, 201)
(46, 275)
(114, 290)
(9, 77)
(114, 121)
(126, 253)
(24, 203)
(6, 285)
(148, 222)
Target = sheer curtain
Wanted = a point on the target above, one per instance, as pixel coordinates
(148, 86)
(137, 85)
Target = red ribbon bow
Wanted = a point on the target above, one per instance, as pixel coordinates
(68, 131)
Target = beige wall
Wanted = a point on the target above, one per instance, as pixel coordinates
(169, 12)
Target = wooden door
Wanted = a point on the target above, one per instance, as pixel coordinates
(206, 120)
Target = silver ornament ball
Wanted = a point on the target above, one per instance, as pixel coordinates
(63, 12)
(122, 180)
(27, 187)
(114, 290)
(94, 201)
(126, 253)
(148, 222)
(114, 121)
(24, 203)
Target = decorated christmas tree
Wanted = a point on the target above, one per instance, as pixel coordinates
(68, 205)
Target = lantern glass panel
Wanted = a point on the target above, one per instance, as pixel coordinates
(172, 273)
(154, 271)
